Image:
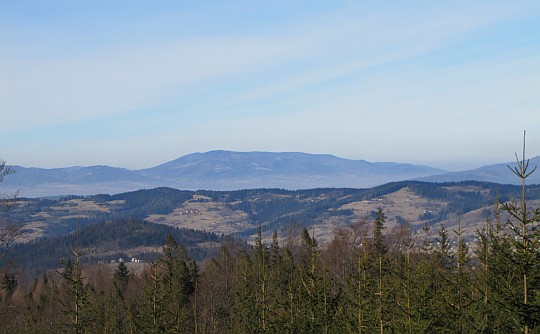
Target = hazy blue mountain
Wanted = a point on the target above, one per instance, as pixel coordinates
(497, 173)
(225, 170)
(216, 170)
(38, 182)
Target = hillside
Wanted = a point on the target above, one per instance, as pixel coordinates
(240, 213)
(297, 265)
(109, 241)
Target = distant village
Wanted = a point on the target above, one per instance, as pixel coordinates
(189, 212)
(133, 259)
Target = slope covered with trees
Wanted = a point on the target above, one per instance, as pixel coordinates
(272, 209)
(122, 238)
(368, 279)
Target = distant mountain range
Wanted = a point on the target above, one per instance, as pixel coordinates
(497, 173)
(226, 170)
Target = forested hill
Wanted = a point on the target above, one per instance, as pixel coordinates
(241, 212)
(406, 257)
(369, 277)
(110, 240)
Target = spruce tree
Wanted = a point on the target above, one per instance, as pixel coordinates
(178, 284)
(152, 319)
(523, 225)
(121, 275)
(319, 300)
(261, 280)
(380, 249)
(77, 305)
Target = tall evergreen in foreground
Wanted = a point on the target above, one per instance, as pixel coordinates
(521, 250)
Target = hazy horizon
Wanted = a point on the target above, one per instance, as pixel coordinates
(457, 169)
(134, 84)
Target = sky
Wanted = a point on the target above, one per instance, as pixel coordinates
(450, 84)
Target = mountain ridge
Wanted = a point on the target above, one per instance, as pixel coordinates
(231, 170)
(497, 173)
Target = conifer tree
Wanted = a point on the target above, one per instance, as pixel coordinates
(380, 249)
(320, 298)
(154, 309)
(524, 304)
(460, 280)
(481, 277)
(280, 312)
(116, 302)
(487, 280)
(406, 321)
(178, 284)
(290, 281)
(360, 290)
(247, 320)
(500, 281)
(217, 293)
(261, 268)
(77, 303)
(121, 276)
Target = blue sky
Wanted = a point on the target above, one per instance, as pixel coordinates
(132, 84)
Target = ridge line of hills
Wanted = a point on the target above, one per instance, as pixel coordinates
(228, 170)
(123, 223)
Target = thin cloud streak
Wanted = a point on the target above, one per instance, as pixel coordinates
(124, 80)
(374, 84)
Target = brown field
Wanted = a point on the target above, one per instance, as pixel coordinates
(210, 216)
(402, 203)
(202, 213)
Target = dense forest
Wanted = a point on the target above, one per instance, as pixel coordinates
(108, 240)
(366, 280)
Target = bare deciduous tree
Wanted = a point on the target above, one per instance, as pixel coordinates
(9, 231)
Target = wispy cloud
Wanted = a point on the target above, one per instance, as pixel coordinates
(426, 67)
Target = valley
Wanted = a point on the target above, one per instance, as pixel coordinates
(422, 206)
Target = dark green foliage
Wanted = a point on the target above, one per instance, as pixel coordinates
(367, 280)
(159, 201)
(77, 303)
(379, 244)
(121, 275)
(118, 235)
(522, 249)
(8, 283)
(168, 285)
(178, 281)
